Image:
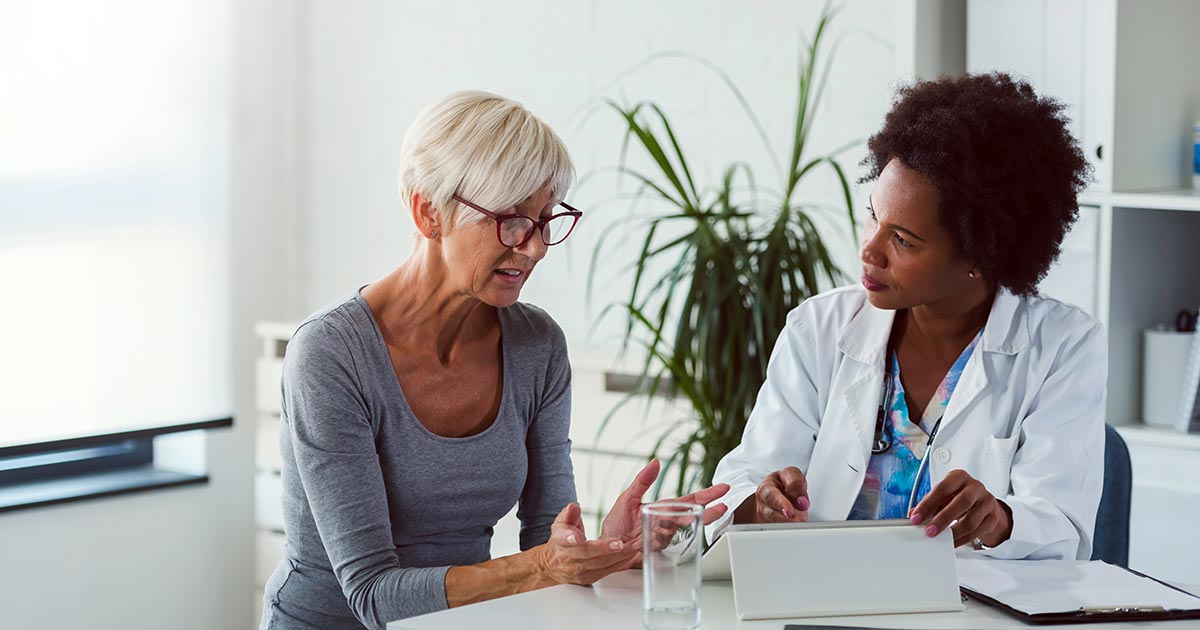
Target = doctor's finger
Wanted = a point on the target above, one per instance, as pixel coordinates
(795, 485)
(982, 530)
(938, 497)
(955, 510)
(966, 536)
(972, 519)
(771, 499)
(767, 514)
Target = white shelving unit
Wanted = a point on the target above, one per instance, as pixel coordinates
(268, 491)
(1128, 71)
(1184, 199)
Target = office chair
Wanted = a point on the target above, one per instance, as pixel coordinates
(1111, 543)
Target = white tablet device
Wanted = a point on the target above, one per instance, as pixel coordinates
(715, 563)
(835, 568)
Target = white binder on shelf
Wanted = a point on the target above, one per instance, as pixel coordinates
(1189, 398)
(834, 568)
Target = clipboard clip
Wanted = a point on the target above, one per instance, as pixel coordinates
(1117, 610)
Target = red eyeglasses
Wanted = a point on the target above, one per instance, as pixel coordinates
(514, 230)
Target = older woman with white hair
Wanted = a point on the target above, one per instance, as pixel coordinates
(421, 408)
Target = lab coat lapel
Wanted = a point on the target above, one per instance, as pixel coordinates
(865, 340)
(972, 383)
(862, 400)
(1005, 333)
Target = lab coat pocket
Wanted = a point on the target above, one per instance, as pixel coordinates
(999, 453)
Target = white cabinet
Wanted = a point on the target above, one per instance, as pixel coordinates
(268, 509)
(1166, 503)
(1128, 71)
(1125, 68)
(1063, 48)
(1074, 278)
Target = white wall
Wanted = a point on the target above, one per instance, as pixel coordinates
(164, 559)
(370, 69)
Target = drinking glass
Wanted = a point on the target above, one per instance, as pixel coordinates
(672, 535)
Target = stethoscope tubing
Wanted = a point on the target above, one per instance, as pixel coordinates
(881, 417)
(912, 496)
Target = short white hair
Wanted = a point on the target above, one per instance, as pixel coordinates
(487, 149)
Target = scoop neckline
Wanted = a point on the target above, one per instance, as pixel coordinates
(411, 415)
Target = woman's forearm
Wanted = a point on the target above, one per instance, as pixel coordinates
(518, 573)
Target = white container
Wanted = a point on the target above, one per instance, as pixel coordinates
(1164, 358)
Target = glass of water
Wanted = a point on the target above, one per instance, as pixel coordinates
(672, 535)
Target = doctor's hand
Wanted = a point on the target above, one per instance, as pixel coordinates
(961, 502)
(781, 498)
(624, 521)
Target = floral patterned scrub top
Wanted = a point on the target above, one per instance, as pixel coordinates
(891, 475)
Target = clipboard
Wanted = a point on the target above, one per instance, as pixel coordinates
(1127, 611)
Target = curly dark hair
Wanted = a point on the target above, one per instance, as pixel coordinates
(1005, 165)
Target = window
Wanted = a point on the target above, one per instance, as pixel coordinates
(115, 290)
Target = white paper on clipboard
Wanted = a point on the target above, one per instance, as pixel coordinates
(1056, 586)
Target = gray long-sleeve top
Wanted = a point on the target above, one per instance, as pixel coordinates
(376, 507)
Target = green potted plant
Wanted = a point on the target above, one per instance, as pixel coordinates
(709, 299)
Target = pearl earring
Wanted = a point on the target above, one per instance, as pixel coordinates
(971, 274)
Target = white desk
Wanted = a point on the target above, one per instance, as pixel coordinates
(616, 602)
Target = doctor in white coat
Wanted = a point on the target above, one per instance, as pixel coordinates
(976, 181)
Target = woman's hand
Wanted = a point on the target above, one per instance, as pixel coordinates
(781, 498)
(624, 521)
(570, 558)
(961, 501)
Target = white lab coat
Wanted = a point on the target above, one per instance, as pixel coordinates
(1026, 418)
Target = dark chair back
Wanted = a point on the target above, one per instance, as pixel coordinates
(1111, 543)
